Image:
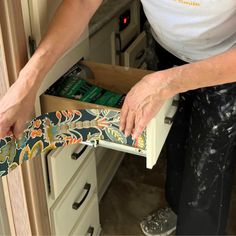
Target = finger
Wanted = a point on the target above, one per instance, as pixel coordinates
(139, 127)
(129, 123)
(10, 133)
(123, 116)
(5, 128)
(18, 129)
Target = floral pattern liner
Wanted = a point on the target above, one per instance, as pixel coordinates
(60, 129)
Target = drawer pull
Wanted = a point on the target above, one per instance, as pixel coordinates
(140, 55)
(169, 120)
(175, 103)
(75, 156)
(76, 205)
(90, 231)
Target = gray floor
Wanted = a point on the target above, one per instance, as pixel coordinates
(134, 192)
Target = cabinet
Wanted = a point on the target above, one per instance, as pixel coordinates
(72, 197)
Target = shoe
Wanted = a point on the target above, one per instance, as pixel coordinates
(160, 223)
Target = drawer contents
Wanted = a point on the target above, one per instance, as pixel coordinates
(75, 199)
(72, 86)
(60, 129)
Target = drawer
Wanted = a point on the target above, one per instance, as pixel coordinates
(65, 160)
(89, 224)
(121, 80)
(70, 205)
(135, 54)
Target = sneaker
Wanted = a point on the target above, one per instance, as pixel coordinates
(160, 223)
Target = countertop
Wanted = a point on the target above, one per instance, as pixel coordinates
(105, 13)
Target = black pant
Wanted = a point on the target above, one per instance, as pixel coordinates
(201, 154)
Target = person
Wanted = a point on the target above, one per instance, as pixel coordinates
(199, 37)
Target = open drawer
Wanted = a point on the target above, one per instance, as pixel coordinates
(120, 80)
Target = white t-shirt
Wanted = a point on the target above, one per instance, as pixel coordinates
(193, 29)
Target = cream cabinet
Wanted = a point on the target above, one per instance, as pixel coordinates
(70, 175)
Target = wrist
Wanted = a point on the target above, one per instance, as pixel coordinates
(36, 69)
(165, 82)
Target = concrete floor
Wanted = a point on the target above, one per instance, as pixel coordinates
(136, 191)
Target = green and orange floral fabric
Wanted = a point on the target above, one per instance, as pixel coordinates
(62, 128)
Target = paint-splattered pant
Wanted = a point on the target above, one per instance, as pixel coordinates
(201, 155)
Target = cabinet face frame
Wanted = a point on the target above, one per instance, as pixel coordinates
(22, 185)
(13, 197)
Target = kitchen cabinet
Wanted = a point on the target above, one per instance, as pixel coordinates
(65, 201)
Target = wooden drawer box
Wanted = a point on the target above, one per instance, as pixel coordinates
(121, 80)
(73, 202)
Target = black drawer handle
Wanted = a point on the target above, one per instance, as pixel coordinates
(169, 120)
(76, 156)
(175, 103)
(140, 55)
(90, 231)
(76, 205)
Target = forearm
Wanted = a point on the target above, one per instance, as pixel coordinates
(216, 70)
(65, 29)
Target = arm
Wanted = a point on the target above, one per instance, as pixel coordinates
(216, 70)
(146, 98)
(66, 27)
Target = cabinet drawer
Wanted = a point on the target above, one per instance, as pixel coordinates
(70, 205)
(121, 80)
(135, 54)
(89, 224)
(62, 165)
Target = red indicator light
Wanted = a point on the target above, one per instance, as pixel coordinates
(125, 20)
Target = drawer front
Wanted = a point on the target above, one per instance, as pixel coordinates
(158, 129)
(135, 55)
(89, 224)
(65, 160)
(69, 207)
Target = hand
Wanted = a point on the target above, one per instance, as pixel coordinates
(142, 103)
(16, 108)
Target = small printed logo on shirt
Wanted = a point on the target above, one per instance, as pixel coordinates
(189, 3)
